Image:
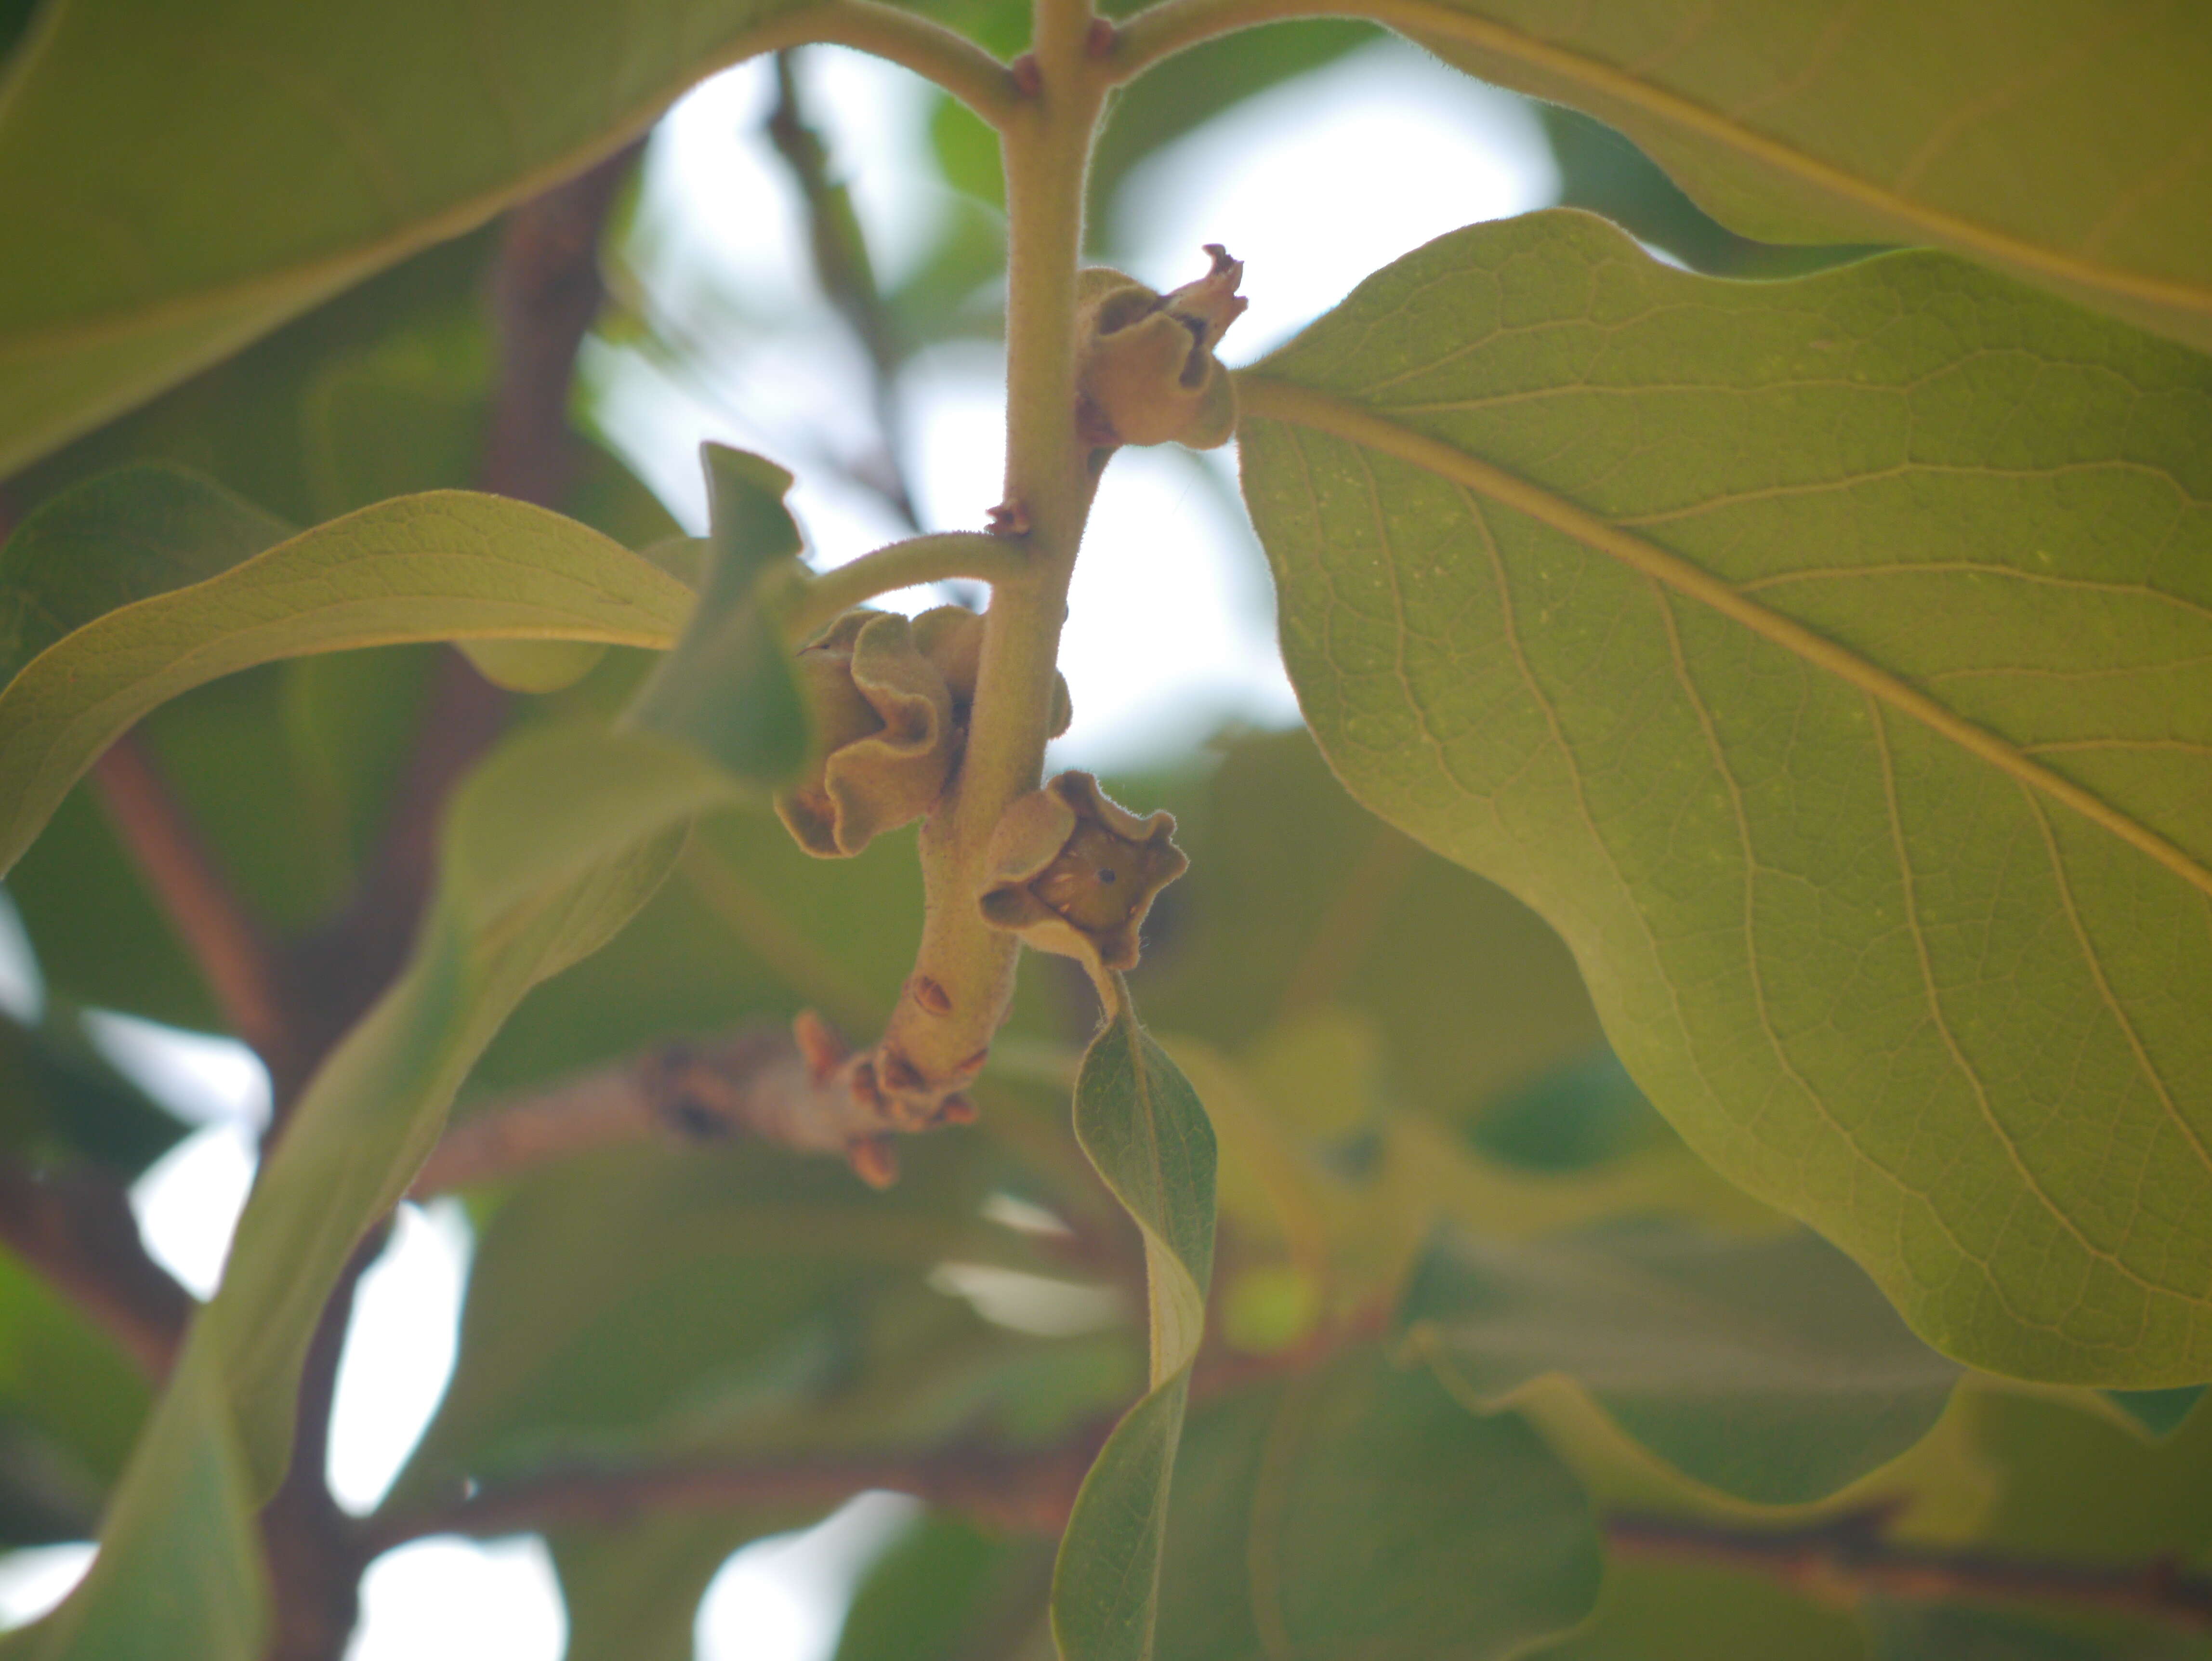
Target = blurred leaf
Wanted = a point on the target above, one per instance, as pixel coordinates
(127, 537)
(1587, 1113)
(1617, 583)
(1145, 1130)
(728, 686)
(379, 132)
(661, 1298)
(525, 889)
(633, 1592)
(2158, 1411)
(1769, 1369)
(1308, 901)
(945, 1592)
(250, 421)
(58, 1095)
(1940, 1632)
(180, 1570)
(1357, 1511)
(1689, 1612)
(2077, 1486)
(2063, 148)
(430, 567)
(70, 1406)
(1602, 171)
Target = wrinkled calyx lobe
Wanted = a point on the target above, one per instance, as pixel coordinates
(1146, 373)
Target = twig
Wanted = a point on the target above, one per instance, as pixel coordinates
(242, 964)
(761, 1082)
(1024, 1491)
(847, 277)
(546, 291)
(1842, 1557)
(316, 1552)
(75, 1228)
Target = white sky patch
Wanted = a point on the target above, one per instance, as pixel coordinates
(448, 1599)
(187, 1202)
(37, 1577)
(399, 1351)
(784, 1598)
(1030, 1303)
(22, 989)
(1321, 181)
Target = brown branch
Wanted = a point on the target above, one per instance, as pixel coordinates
(243, 966)
(547, 290)
(1019, 1491)
(761, 1082)
(76, 1230)
(1844, 1558)
(316, 1552)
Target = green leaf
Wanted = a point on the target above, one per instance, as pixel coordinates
(1831, 662)
(70, 1406)
(585, 1330)
(108, 543)
(943, 1591)
(1356, 1512)
(728, 687)
(232, 163)
(633, 1592)
(1143, 1127)
(1913, 1631)
(522, 894)
(444, 565)
(1694, 1612)
(2062, 147)
(179, 1571)
(1313, 905)
(1769, 1369)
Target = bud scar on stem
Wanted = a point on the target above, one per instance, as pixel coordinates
(901, 711)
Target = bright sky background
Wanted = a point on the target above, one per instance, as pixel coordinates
(1169, 635)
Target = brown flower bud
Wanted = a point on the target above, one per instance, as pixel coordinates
(1146, 371)
(885, 735)
(952, 638)
(1073, 872)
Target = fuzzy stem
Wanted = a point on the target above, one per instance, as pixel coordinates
(935, 558)
(1050, 477)
(929, 49)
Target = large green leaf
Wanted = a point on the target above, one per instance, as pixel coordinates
(228, 164)
(1831, 662)
(1357, 1511)
(1144, 1127)
(2064, 144)
(1769, 1369)
(444, 565)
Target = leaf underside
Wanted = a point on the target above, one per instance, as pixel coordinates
(2065, 147)
(1831, 662)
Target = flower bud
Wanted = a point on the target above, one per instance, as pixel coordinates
(886, 740)
(1146, 371)
(952, 638)
(1073, 872)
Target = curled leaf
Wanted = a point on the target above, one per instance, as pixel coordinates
(1147, 371)
(886, 737)
(1073, 872)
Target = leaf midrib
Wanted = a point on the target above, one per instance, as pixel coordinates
(1268, 398)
